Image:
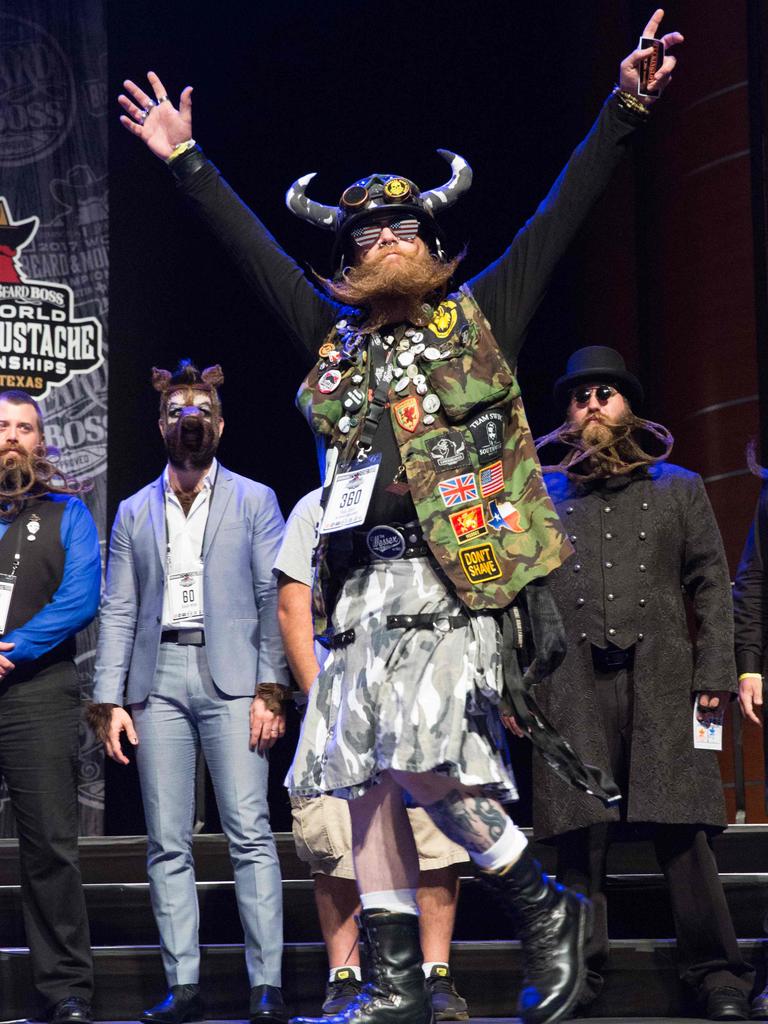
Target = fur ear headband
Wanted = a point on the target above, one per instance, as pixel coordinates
(188, 377)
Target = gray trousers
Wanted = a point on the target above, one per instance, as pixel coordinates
(184, 711)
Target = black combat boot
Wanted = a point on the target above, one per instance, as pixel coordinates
(553, 925)
(394, 992)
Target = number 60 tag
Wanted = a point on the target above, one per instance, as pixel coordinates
(350, 495)
(185, 590)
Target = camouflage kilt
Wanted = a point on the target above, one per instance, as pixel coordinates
(416, 700)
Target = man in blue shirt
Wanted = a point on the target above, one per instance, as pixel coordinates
(50, 575)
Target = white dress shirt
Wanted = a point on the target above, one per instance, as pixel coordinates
(184, 536)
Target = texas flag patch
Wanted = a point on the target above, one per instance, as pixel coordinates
(458, 489)
(504, 516)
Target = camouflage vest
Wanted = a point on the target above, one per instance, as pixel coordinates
(468, 454)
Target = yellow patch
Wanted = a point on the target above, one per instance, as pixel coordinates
(444, 319)
(480, 564)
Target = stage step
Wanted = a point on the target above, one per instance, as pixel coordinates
(741, 849)
(638, 908)
(641, 980)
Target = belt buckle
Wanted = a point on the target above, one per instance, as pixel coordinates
(443, 624)
(385, 542)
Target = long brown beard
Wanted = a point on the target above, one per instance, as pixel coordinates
(395, 290)
(599, 449)
(191, 442)
(26, 475)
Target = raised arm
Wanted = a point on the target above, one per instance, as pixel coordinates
(275, 277)
(510, 290)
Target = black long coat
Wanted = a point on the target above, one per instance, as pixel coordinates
(642, 542)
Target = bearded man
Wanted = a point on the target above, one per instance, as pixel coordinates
(645, 538)
(422, 432)
(189, 642)
(49, 557)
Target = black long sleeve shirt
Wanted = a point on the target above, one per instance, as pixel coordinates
(508, 291)
(750, 600)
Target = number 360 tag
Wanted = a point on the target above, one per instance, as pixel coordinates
(350, 495)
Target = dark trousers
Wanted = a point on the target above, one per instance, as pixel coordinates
(708, 953)
(39, 722)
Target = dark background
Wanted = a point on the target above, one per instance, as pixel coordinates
(666, 269)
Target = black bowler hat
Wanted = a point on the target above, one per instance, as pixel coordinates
(602, 365)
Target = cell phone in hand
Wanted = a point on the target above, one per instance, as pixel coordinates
(649, 66)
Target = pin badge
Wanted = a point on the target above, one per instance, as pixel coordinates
(402, 384)
(344, 424)
(353, 400)
(405, 358)
(325, 350)
(431, 403)
(432, 353)
(329, 381)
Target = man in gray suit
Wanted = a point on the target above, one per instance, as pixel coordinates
(189, 641)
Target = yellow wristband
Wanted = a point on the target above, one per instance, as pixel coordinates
(181, 148)
(750, 675)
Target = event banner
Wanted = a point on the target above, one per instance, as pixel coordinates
(54, 264)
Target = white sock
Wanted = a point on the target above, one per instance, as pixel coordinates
(347, 971)
(427, 967)
(398, 901)
(505, 851)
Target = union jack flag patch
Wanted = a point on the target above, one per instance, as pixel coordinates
(458, 490)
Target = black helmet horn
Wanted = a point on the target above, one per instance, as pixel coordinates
(316, 213)
(460, 180)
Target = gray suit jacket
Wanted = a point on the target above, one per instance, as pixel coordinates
(242, 537)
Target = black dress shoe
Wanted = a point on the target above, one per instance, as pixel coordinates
(726, 1004)
(759, 1009)
(267, 1006)
(183, 1003)
(72, 1010)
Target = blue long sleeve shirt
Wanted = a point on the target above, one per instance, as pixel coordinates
(76, 599)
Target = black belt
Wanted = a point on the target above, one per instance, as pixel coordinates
(611, 659)
(334, 641)
(440, 623)
(388, 542)
(183, 637)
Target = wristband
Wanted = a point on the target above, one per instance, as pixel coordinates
(630, 102)
(750, 675)
(181, 148)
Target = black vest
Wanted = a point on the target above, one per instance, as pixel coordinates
(41, 568)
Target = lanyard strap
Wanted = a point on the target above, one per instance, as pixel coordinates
(376, 406)
(165, 519)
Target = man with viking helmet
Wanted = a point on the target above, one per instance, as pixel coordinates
(421, 429)
(189, 642)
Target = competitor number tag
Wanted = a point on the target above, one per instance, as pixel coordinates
(185, 593)
(350, 495)
(6, 593)
(707, 726)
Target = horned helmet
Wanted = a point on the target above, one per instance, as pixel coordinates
(377, 193)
